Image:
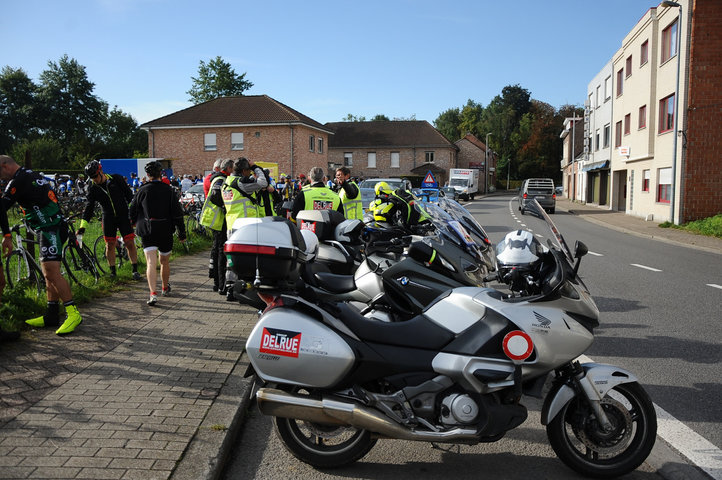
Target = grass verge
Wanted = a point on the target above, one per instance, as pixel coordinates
(711, 226)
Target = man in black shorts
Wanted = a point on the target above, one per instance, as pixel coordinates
(33, 193)
(156, 212)
(113, 194)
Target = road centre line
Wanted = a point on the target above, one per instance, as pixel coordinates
(596, 254)
(714, 285)
(645, 267)
(697, 449)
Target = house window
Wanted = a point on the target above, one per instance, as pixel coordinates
(645, 180)
(311, 143)
(628, 66)
(607, 88)
(664, 188)
(618, 134)
(395, 160)
(642, 117)
(644, 53)
(320, 145)
(669, 42)
(620, 82)
(597, 103)
(596, 141)
(236, 141)
(666, 114)
(429, 157)
(627, 123)
(348, 159)
(209, 142)
(371, 156)
(607, 134)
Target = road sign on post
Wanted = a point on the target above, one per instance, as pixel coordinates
(429, 181)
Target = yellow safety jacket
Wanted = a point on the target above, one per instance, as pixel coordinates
(212, 215)
(320, 198)
(352, 208)
(237, 205)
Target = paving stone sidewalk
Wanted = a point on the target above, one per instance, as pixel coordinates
(133, 392)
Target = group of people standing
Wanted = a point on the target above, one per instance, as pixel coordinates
(239, 189)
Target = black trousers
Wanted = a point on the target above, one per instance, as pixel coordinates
(217, 264)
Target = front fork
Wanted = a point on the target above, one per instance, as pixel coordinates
(585, 384)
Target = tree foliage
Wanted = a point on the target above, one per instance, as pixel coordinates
(217, 79)
(60, 123)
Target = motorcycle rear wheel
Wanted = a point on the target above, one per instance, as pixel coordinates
(321, 445)
(579, 441)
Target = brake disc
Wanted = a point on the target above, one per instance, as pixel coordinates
(613, 442)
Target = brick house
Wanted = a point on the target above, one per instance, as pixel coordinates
(255, 126)
(406, 149)
(472, 154)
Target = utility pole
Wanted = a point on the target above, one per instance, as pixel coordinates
(486, 164)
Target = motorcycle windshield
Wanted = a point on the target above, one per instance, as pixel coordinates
(458, 212)
(537, 221)
(451, 228)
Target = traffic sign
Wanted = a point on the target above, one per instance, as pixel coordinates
(429, 181)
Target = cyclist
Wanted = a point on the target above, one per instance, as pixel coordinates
(33, 193)
(113, 194)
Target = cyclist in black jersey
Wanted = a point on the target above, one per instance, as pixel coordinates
(42, 214)
(113, 194)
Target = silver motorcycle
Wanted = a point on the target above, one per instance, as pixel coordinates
(336, 381)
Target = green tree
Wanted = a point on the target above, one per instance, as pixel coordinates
(448, 124)
(18, 107)
(217, 79)
(69, 110)
(470, 119)
(380, 118)
(45, 153)
(119, 135)
(541, 153)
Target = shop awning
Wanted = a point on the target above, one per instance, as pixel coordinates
(590, 167)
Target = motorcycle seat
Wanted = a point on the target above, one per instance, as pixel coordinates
(418, 332)
(335, 283)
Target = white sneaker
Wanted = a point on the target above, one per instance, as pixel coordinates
(153, 300)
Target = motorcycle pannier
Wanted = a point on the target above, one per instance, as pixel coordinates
(321, 222)
(270, 249)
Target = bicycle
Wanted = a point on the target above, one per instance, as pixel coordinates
(121, 252)
(78, 257)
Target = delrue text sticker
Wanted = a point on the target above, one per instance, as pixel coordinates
(322, 205)
(308, 226)
(280, 342)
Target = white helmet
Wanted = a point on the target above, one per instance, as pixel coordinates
(519, 249)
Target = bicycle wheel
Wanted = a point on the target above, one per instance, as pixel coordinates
(192, 226)
(80, 266)
(19, 270)
(99, 255)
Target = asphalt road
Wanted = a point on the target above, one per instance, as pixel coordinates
(659, 319)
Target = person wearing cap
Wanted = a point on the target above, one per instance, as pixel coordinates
(157, 213)
(42, 214)
(113, 194)
(350, 194)
(316, 195)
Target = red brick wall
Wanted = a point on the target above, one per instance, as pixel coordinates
(260, 144)
(468, 152)
(702, 173)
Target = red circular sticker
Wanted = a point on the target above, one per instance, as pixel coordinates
(517, 345)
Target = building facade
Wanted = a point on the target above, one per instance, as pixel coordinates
(256, 127)
(573, 180)
(406, 149)
(595, 170)
(473, 153)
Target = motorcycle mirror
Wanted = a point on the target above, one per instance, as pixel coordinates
(580, 249)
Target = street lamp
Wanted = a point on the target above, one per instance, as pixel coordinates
(508, 171)
(486, 164)
(668, 3)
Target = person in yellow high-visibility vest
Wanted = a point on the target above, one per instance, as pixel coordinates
(316, 196)
(213, 216)
(349, 193)
(240, 197)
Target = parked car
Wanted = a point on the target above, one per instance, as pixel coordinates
(541, 189)
(194, 196)
(451, 193)
(368, 186)
(559, 190)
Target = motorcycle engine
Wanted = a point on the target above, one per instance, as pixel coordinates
(458, 409)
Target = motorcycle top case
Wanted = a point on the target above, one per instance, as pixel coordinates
(271, 249)
(321, 222)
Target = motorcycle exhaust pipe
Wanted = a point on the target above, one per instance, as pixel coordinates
(278, 403)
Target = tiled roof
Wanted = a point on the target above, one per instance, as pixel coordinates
(403, 133)
(242, 110)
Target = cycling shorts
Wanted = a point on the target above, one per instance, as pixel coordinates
(51, 242)
(162, 243)
(111, 225)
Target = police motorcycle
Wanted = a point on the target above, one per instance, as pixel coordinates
(336, 381)
(399, 274)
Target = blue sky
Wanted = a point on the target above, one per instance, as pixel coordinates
(326, 59)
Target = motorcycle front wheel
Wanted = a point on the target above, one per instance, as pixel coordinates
(581, 443)
(323, 446)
